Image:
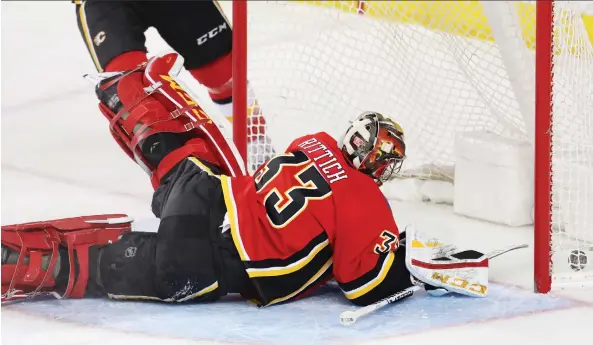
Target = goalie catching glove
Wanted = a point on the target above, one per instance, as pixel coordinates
(442, 268)
(438, 268)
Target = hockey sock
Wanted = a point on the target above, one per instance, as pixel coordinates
(217, 78)
(126, 61)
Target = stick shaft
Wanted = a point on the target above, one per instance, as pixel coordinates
(378, 305)
(499, 252)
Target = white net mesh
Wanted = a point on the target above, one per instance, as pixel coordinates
(315, 66)
(572, 158)
(438, 68)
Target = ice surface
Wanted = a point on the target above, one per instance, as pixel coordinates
(310, 321)
(59, 160)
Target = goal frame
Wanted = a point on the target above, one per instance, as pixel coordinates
(542, 214)
(542, 136)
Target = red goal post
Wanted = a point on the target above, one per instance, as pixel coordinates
(468, 62)
(239, 21)
(542, 222)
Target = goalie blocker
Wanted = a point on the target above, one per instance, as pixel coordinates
(200, 254)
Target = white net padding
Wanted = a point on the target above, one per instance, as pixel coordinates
(439, 68)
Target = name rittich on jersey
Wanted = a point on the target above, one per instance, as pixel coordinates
(324, 159)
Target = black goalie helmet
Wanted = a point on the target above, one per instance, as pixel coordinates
(374, 144)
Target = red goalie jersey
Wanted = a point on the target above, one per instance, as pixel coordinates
(309, 216)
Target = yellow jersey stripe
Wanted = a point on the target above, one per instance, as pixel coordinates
(204, 291)
(229, 23)
(141, 298)
(231, 208)
(354, 294)
(317, 275)
(87, 36)
(295, 266)
(202, 166)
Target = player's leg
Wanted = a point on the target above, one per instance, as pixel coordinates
(189, 258)
(113, 33)
(200, 32)
(179, 263)
(158, 124)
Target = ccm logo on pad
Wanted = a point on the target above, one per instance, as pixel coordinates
(210, 34)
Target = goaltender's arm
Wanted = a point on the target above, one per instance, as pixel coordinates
(369, 263)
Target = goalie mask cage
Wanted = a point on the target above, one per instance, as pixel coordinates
(521, 70)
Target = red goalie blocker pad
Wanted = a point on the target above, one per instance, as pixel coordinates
(154, 102)
(34, 241)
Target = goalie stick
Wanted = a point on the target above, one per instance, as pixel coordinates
(350, 316)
